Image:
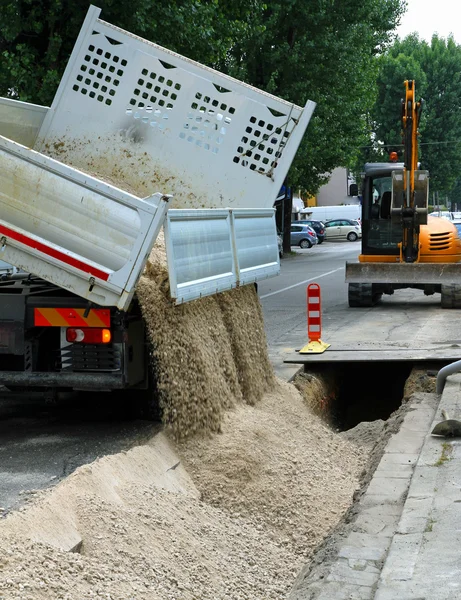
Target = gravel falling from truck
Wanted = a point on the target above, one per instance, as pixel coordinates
(208, 354)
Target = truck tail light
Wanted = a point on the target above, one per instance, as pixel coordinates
(88, 335)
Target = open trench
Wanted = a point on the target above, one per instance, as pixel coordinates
(347, 394)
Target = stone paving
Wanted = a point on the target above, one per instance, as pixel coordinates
(405, 540)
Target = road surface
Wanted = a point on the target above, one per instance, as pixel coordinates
(40, 444)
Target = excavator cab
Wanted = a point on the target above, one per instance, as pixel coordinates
(380, 234)
(401, 246)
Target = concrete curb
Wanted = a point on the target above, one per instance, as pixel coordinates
(383, 544)
(424, 558)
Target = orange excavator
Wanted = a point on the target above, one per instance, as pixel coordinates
(403, 247)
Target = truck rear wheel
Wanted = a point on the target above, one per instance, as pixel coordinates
(360, 295)
(451, 295)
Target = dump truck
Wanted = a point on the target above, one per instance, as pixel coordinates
(137, 139)
(403, 247)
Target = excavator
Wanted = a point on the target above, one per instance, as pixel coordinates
(403, 247)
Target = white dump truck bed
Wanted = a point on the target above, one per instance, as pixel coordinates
(85, 183)
(208, 139)
(73, 229)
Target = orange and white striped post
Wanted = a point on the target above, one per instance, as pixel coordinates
(314, 321)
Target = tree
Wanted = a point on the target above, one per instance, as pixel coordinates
(323, 51)
(37, 36)
(435, 69)
(394, 69)
(441, 138)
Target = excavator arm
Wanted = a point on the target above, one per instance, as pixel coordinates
(409, 209)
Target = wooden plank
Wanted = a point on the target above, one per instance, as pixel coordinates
(447, 354)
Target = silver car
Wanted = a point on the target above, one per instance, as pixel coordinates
(303, 236)
(343, 229)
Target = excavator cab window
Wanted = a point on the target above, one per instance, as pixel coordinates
(380, 234)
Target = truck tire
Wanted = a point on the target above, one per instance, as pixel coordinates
(148, 402)
(360, 295)
(451, 296)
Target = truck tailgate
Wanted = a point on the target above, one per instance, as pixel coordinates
(72, 229)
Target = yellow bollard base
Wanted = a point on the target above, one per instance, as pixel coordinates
(314, 347)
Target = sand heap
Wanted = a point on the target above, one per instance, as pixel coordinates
(231, 513)
(236, 519)
(208, 354)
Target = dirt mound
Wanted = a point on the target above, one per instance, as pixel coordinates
(421, 379)
(224, 516)
(319, 391)
(255, 484)
(279, 464)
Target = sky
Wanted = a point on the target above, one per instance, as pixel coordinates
(432, 16)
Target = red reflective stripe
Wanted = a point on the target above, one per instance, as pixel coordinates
(314, 305)
(39, 319)
(73, 262)
(73, 319)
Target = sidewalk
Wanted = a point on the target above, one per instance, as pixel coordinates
(405, 540)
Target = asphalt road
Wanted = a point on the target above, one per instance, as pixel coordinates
(40, 443)
(407, 317)
(284, 297)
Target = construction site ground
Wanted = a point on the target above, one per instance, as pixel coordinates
(401, 538)
(275, 503)
(402, 535)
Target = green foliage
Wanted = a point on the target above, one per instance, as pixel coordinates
(323, 50)
(37, 36)
(454, 195)
(435, 67)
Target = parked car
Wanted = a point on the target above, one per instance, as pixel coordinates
(303, 236)
(343, 229)
(444, 214)
(317, 226)
(457, 224)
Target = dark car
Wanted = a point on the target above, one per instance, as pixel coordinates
(317, 226)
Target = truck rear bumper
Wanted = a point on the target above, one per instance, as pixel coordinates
(81, 381)
(405, 273)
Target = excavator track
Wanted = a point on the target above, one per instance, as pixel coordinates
(361, 295)
(451, 296)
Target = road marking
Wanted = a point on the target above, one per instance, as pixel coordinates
(301, 283)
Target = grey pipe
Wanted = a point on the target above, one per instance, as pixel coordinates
(444, 373)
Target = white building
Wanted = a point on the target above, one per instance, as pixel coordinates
(336, 190)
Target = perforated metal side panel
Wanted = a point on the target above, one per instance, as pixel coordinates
(151, 120)
(211, 251)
